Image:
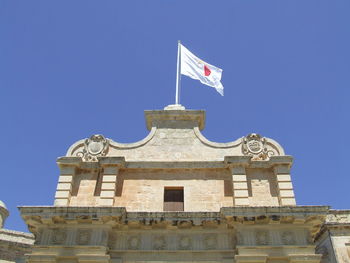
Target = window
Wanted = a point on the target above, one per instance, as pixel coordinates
(173, 199)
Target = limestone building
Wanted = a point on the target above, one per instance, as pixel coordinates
(177, 197)
(13, 244)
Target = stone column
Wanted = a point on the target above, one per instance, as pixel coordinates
(284, 184)
(67, 167)
(111, 166)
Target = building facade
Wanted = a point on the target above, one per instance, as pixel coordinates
(13, 244)
(177, 197)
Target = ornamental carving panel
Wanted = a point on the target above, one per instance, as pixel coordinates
(255, 145)
(210, 241)
(96, 146)
(288, 238)
(159, 242)
(83, 236)
(262, 237)
(58, 236)
(134, 242)
(185, 242)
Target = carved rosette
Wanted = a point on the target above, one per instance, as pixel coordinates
(262, 237)
(97, 145)
(288, 238)
(134, 242)
(58, 236)
(159, 242)
(210, 241)
(185, 242)
(255, 145)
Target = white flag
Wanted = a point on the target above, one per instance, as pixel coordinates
(196, 68)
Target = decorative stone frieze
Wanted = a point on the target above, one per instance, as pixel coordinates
(83, 236)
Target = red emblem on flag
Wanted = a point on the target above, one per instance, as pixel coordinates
(207, 71)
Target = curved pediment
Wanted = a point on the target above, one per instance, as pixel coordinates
(175, 135)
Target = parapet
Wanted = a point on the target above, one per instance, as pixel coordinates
(250, 171)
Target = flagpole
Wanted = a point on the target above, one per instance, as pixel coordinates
(178, 75)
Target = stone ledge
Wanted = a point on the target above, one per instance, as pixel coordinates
(16, 237)
(152, 116)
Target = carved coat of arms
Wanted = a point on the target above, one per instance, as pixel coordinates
(95, 146)
(255, 146)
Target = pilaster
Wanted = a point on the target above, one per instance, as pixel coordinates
(237, 166)
(68, 166)
(111, 167)
(284, 185)
(239, 186)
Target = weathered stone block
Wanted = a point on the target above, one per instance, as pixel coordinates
(107, 194)
(67, 170)
(286, 193)
(106, 202)
(285, 185)
(283, 177)
(65, 179)
(239, 178)
(108, 186)
(62, 194)
(241, 202)
(240, 186)
(241, 193)
(61, 202)
(109, 178)
(288, 201)
(110, 170)
(64, 186)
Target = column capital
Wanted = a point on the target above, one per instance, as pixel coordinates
(233, 161)
(69, 161)
(112, 161)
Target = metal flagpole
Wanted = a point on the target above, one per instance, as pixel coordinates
(178, 74)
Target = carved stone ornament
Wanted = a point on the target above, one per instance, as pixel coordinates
(38, 236)
(239, 238)
(97, 145)
(159, 242)
(210, 242)
(262, 238)
(134, 242)
(185, 242)
(288, 238)
(324, 252)
(254, 145)
(58, 236)
(83, 236)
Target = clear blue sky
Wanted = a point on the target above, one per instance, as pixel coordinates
(70, 69)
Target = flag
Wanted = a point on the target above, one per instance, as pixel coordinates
(196, 68)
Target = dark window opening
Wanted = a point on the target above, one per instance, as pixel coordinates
(174, 199)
